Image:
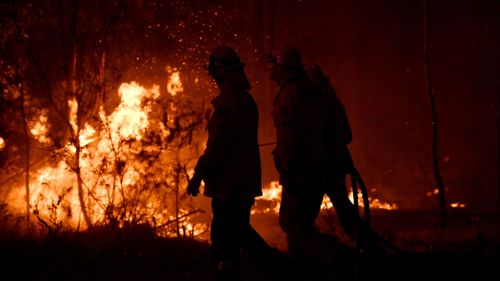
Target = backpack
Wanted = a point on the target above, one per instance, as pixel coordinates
(338, 132)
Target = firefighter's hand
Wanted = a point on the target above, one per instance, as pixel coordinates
(193, 187)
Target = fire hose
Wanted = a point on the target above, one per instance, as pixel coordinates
(356, 180)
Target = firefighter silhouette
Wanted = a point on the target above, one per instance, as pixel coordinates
(230, 168)
(312, 155)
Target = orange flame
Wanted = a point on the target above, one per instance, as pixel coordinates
(273, 193)
(435, 192)
(375, 203)
(2, 143)
(53, 189)
(174, 84)
(270, 193)
(129, 120)
(457, 205)
(39, 128)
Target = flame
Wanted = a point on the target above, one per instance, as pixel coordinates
(73, 114)
(109, 173)
(129, 120)
(272, 192)
(112, 172)
(87, 135)
(457, 205)
(375, 203)
(453, 205)
(174, 84)
(2, 143)
(39, 128)
(433, 192)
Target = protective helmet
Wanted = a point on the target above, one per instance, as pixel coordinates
(224, 57)
(286, 56)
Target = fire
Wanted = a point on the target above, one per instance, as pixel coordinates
(174, 84)
(2, 143)
(272, 193)
(73, 112)
(112, 164)
(39, 128)
(457, 205)
(435, 192)
(270, 199)
(375, 203)
(121, 174)
(129, 120)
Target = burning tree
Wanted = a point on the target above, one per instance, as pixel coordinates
(95, 153)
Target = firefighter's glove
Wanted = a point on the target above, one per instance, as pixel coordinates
(193, 187)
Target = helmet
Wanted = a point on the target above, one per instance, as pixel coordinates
(286, 55)
(224, 57)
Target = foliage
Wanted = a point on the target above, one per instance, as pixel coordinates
(67, 60)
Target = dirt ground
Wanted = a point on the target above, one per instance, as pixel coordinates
(469, 247)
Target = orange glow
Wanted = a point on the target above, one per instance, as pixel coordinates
(39, 128)
(375, 203)
(129, 120)
(433, 192)
(73, 114)
(112, 174)
(2, 143)
(114, 158)
(272, 193)
(457, 205)
(174, 84)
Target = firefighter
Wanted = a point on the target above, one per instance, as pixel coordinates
(339, 164)
(339, 136)
(230, 166)
(299, 154)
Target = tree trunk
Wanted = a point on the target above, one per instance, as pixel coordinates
(72, 83)
(81, 197)
(177, 183)
(26, 161)
(435, 152)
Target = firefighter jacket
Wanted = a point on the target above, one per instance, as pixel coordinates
(230, 165)
(299, 119)
(338, 130)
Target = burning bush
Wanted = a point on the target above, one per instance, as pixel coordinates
(133, 163)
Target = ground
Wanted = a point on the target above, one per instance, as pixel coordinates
(469, 247)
